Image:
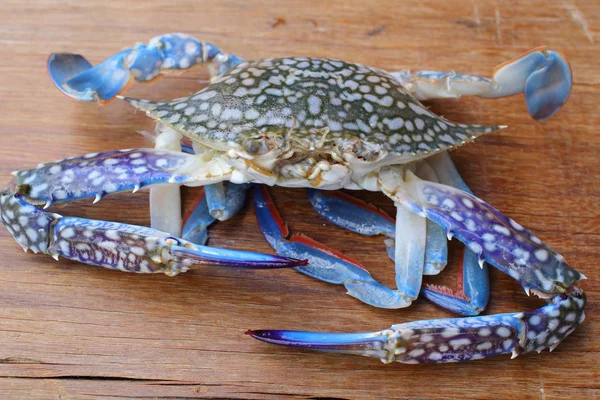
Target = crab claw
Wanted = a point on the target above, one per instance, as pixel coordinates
(98, 174)
(119, 246)
(544, 76)
(76, 77)
(449, 340)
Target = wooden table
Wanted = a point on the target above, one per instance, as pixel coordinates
(70, 331)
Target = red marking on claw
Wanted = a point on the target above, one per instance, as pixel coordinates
(300, 238)
(446, 290)
(274, 212)
(362, 204)
(189, 212)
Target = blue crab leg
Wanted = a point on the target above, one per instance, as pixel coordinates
(492, 236)
(473, 284)
(544, 76)
(197, 221)
(324, 263)
(355, 215)
(450, 340)
(77, 78)
(118, 246)
(225, 200)
(199, 218)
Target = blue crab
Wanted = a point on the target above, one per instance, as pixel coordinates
(325, 125)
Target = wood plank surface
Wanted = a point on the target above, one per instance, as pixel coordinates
(69, 331)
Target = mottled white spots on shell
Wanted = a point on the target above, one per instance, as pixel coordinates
(490, 246)
(450, 332)
(191, 48)
(168, 63)
(503, 331)
(426, 338)
(240, 92)
(67, 233)
(475, 247)
(467, 202)
(216, 110)
(205, 95)
(180, 106)
(484, 332)
(418, 109)
(456, 216)
(488, 237)
(541, 255)
(373, 79)
(353, 85)
(231, 114)
(501, 229)
(516, 225)
(261, 99)
(416, 352)
(470, 225)
(161, 162)
(334, 125)
(199, 118)
(536, 240)
(93, 174)
(54, 169)
(395, 123)
(112, 234)
(189, 111)
(458, 343)
(380, 90)
(535, 320)
(484, 346)
(419, 123)
(448, 203)
(314, 105)
(251, 114)
(386, 101)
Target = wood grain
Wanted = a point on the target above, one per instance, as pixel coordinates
(70, 331)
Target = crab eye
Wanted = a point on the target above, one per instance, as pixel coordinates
(24, 190)
(252, 146)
